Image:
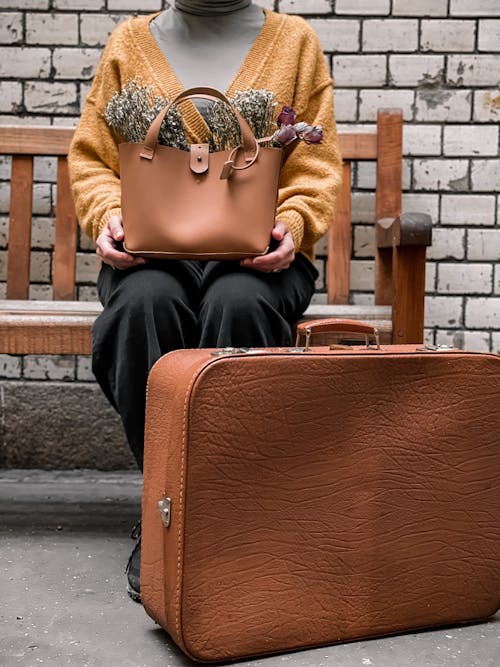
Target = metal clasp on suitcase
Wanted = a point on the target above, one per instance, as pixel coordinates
(227, 351)
(165, 507)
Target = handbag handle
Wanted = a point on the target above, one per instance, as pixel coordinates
(336, 325)
(250, 144)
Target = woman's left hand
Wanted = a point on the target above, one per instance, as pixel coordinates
(278, 259)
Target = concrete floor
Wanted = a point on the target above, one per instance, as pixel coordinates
(64, 540)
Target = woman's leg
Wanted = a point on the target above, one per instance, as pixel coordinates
(244, 308)
(148, 311)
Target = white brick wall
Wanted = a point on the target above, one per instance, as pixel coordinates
(436, 59)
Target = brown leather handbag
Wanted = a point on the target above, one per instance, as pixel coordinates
(194, 204)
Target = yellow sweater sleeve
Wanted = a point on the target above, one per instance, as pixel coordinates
(93, 156)
(311, 176)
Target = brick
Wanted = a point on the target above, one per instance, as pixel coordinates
(131, 5)
(6, 119)
(51, 97)
(362, 275)
(85, 242)
(10, 366)
(418, 203)
(384, 35)
(87, 293)
(473, 341)
(11, 27)
(268, 4)
(482, 313)
(42, 233)
(87, 267)
(42, 199)
(54, 367)
(489, 35)
(470, 140)
(429, 337)
(23, 62)
(336, 34)
(40, 292)
(346, 105)
(360, 299)
(483, 244)
(496, 281)
(443, 311)
(40, 267)
(96, 28)
(472, 70)
(430, 277)
(371, 100)
(364, 241)
(421, 140)
(3, 265)
(420, 8)
(475, 8)
(487, 106)
(486, 175)
(11, 95)
(448, 35)
(45, 169)
(368, 7)
(25, 4)
(305, 6)
(363, 207)
(436, 174)
(85, 5)
(359, 71)
(495, 342)
(409, 70)
(367, 175)
(84, 369)
(464, 278)
(52, 29)
(75, 63)
(447, 244)
(320, 284)
(468, 210)
(440, 104)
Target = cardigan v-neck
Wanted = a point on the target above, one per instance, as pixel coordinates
(167, 80)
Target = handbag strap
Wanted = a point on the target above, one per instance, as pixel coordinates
(250, 144)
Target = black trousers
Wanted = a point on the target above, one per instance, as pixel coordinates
(167, 305)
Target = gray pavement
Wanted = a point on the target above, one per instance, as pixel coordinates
(64, 540)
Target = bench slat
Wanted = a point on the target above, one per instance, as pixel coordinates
(358, 146)
(389, 192)
(19, 252)
(339, 245)
(41, 140)
(64, 267)
(45, 334)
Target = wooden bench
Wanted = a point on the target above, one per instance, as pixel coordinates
(63, 325)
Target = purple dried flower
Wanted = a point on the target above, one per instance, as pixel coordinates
(285, 135)
(287, 116)
(313, 135)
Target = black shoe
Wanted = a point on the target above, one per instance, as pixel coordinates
(133, 568)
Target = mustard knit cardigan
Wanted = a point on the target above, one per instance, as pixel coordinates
(286, 58)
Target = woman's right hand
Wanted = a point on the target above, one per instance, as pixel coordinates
(107, 246)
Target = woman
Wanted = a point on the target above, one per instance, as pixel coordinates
(152, 307)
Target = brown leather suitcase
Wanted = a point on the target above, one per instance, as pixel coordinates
(299, 498)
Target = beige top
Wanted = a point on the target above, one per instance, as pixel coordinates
(207, 50)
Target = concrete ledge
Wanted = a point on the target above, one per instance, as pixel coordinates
(60, 425)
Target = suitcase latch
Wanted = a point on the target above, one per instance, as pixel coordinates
(165, 506)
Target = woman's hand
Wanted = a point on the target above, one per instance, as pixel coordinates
(107, 246)
(277, 259)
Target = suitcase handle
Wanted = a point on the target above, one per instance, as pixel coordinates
(336, 325)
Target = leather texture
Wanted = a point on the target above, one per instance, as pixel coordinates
(194, 204)
(319, 497)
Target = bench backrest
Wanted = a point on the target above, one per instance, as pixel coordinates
(23, 143)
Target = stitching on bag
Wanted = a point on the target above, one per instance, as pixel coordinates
(181, 506)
